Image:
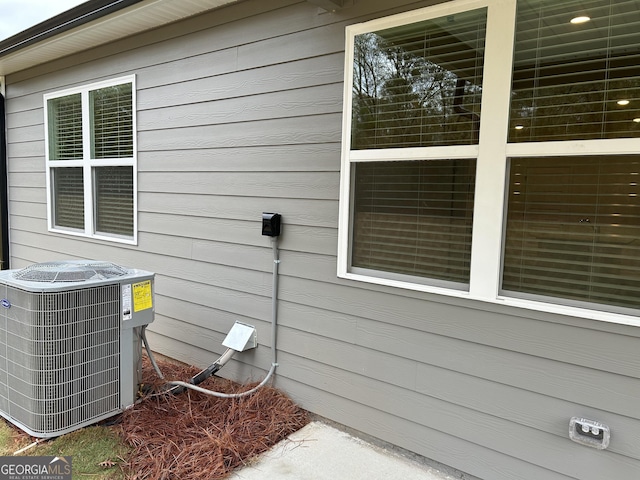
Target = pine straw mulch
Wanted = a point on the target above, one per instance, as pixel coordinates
(196, 436)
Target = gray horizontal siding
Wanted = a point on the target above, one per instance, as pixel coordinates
(299, 74)
(275, 158)
(240, 112)
(310, 129)
(321, 186)
(314, 100)
(485, 462)
(590, 389)
(238, 232)
(322, 213)
(471, 425)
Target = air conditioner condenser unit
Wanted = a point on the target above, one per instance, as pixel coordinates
(70, 343)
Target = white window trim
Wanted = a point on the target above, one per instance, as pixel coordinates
(88, 164)
(491, 155)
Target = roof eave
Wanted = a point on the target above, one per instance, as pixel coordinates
(73, 18)
(92, 24)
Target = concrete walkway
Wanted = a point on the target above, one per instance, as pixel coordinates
(321, 452)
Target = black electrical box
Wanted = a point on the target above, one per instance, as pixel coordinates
(271, 224)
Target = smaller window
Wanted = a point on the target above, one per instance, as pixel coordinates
(572, 231)
(114, 200)
(65, 128)
(111, 122)
(419, 85)
(91, 160)
(68, 197)
(575, 81)
(414, 219)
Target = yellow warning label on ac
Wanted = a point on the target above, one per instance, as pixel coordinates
(142, 296)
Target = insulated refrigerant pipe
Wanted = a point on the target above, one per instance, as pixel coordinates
(179, 386)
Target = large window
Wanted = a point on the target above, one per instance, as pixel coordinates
(91, 160)
(492, 150)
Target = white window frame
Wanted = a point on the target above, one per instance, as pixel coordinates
(491, 154)
(88, 164)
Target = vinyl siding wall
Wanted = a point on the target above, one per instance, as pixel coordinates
(239, 112)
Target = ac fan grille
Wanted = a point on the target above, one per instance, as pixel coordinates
(70, 271)
(61, 357)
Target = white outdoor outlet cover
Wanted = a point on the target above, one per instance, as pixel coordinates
(241, 337)
(589, 433)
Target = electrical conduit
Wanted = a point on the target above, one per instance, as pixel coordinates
(178, 386)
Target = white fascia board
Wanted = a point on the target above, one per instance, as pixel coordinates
(132, 20)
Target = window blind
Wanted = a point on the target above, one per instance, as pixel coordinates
(573, 229)
(68, 201)
(65, 128)
(576, 81)
(414, 218)
(112, 122)
(114, 200)
(419, 84)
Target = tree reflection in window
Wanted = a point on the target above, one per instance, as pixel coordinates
(419, 85)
